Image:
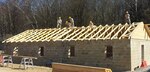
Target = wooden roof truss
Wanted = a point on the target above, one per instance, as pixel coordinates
(77, 33)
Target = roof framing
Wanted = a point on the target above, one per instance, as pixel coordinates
(119, 31)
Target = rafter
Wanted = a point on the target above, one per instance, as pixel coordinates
(72, 34)
(105, 31)
(77, 34)
(61, 35)
(114, 36)
(89, 29)
(124, 34)
(92, 32)
(98, 32)
(110, 33)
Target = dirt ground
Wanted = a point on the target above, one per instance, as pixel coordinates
(16, 68)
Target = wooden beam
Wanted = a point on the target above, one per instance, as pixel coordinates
(17, 38)
(63, 32)
(146, 26)
(72, 33)
(98, 32)
(55, 33)
(105, 31)
(92, 32)
(45, 36)
(89, 29)
(109, 34)
(119, 31)
(61, 35)
(77, 34)
(125, 31)
(41, 34)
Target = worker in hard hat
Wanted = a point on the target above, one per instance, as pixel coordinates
(59, 22)
(127, 18)
(71, 20)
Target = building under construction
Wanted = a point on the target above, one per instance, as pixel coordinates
(120, 47)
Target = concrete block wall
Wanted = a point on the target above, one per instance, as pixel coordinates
(92, 53)
(89, 53)
(136, 56)
(52, 51)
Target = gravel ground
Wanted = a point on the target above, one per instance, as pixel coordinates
(15, 68)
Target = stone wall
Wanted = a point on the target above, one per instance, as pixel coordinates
(89, 53)
(136, 56)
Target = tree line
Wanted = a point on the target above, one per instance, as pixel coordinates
(19, 15)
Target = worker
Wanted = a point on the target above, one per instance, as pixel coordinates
(59, 22)
(68, 24)
(91, 24)
(71, 20)
(127, 18)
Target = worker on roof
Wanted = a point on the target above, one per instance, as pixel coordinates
(71, 20)
(68, 24)
(127, 18)
(59, 22)
(91, 24)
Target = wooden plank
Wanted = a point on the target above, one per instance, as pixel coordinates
(59, 67)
